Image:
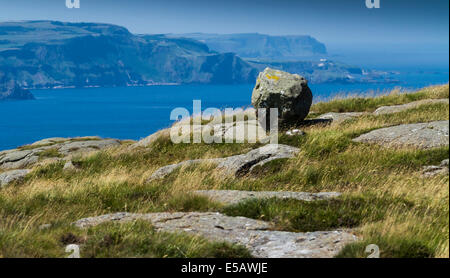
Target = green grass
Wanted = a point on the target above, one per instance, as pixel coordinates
(135, 239)
(390, 247)
(369, 104)
(53, 152)
(304, 216)
(386, 200)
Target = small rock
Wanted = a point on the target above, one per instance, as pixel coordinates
(340, 117)
(14, 175)
(295, 132)
(431, 171)
(45, 226)
(69, 166)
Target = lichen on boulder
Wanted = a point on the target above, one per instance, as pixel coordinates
(289, 93)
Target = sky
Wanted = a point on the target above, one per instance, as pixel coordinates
(423, 25)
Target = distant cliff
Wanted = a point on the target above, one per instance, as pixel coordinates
(262, 46)
(41, 54)
(14, 92)
(51, 54)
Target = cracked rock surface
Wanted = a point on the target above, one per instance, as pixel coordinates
(64, 147)
(236, 196)
(421, 135)
(253, 234)
(237, 165)
(13, 175)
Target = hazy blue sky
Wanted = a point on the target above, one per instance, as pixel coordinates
(421, 24)
(328, 20)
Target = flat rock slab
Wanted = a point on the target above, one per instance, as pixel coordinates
(422, 135)
(237, 165)
(28, 155)
(236, 196)
(253, 234)
(10, 176)
(399, 108)
(340, 117)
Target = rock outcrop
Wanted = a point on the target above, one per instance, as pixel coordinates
(340, 117)
(253, 234)
(383, 110)
(14, 175)
(421, 135)
(399, 108)
(14, 92)
(237, 165)
(56, 148)
(230, 197)
(289, 93)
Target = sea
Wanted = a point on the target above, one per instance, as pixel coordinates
(136, 112)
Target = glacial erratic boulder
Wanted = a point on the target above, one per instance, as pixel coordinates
(287, 92)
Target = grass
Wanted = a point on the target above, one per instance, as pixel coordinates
(386, 200)
(304, 216)
(136, 239)
(369, 104)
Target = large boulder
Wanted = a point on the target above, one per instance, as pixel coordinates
(287, 92)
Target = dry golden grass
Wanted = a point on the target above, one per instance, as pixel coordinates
(409, 215)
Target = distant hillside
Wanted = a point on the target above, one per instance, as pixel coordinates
(51, 54)
(11, 91)
(262, 46)
(40, 54)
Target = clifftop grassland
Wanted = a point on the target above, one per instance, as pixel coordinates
(386, 198)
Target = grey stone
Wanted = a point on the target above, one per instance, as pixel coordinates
(50, 141)
(237, 165)
(147, 141)
(45, 226)
(295, 132)
(18, 158)
(87, 146)
(253, 234)
(398, 108)
(68, 166)
(13, 175)
(240, 165)
(166, 170)
(442, 169)
(235, 196)
(421, 135)
(287, 92)
(340, 117)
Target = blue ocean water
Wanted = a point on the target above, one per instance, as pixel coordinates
(135, 112)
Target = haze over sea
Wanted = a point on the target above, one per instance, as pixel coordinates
(136, 112)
